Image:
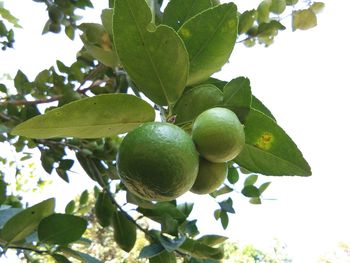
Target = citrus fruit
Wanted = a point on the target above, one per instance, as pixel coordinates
(210, 177)
(218, 135)
(158, 161)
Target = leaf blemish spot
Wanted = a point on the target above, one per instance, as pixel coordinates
(265, 141)
(185, 33)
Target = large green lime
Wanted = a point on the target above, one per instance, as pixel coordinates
(158, 161)
(218, 135)
(210, 177)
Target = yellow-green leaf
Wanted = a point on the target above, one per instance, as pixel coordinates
(100, 116)
(304, 19)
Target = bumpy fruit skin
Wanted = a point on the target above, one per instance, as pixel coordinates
(210, 177)
(218, 135)
(158, 161)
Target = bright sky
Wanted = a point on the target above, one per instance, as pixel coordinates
(303, 79)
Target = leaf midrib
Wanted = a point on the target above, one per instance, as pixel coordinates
(148, 53)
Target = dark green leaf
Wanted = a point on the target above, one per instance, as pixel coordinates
(177, 12)
(61, 229)
(99, 116)
(21, 81)
(217, 213)
(269, 150)
(63, 174)
(133, 199)
(269, 28)
(151, 250)
(224, 219)
(196, 100)
(185, 208)
(124, 231)
(26, 222)
(206, 33)
(60, 258)
(171, 245)
(189, 228)
(164, 257)
(104, 209)
(169, 225)
(3, 88)
(226, 205)
(250, 180)
(161, 209)
(304, 19)
(146, 52)
(233, 175)
(258, 105)
(70, 207)
(250, 191)
(238, 96)
(86, 258)
(212, 240)
(3, 187)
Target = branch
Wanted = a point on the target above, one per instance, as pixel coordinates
(29, 102)
(90, 76)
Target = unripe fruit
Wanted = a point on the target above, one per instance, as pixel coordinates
(218, 135)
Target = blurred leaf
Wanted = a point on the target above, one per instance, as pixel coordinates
(212, 240)
(269, 150)
(196, 249)
(189, 228)
(250, 180)
(106, 18)
(232, 175)
(70, 207)
(164, 257)
(84, 198)
(224, 219)
(160, 210)
(124, 231)
(264, 11)
(255, 200)
(250, 191)
(221, 191)
(317, 7)
(151, 250)
(206, 33)
(177, 12)
(171, 245)
(303, 19)
(246, 21)
(169, 225)
(61, 229)
(94, 117)
(60, 258)
(278, 6)
(9, 17)
(145, 53)
(3, 187)
(291, 2)
(263, 187)
(226, 205)
(7, 213)
(26, 222)
(185, 208)
(133, 199)
(104, 209)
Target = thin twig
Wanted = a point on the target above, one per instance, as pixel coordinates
(29, 102)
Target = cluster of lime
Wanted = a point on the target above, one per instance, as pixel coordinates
(160, 161)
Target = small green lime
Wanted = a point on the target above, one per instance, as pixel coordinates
(218, 135)
(210, 177)
(158, 161)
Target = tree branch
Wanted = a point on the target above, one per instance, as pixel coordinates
(29, 102)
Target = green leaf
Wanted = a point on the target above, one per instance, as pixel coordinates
(255, 200)
(224, 219)
(212, 240)
(84, 197)
(164, 257)
(171, 245)
(199, 250)
(161, 209)
(154, 57)
(185, 208)
(106, 18)
(70, 207)
(196, 100)
(3, 187)
(226, 205)
(258, 105)
(26, 222)
(86, 258)
(151, 250)
(263, 187)
(270, 28)
(133, 199)
(104, 209)
(250, 191)
(303, 19)
(317, 7)
(238, 96)
(209, 38)
(278, 6)
(232, 175)
(60, 258)
(264, 11)
(221, 191)
(9, 17)
(61, 229)
(291, 2)
(99, 116)
(6, 214)
(177, 12)
(124, 231)
(21, 82)
(250, 180)
(189, 228)
(269, 150)
(246, 21)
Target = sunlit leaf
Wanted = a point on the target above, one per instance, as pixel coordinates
(304, 19)
(99, 116)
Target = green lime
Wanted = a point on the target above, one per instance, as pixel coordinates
(210, 177)
(218, 135)
(158, 161)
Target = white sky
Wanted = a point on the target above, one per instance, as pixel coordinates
(303, 79)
